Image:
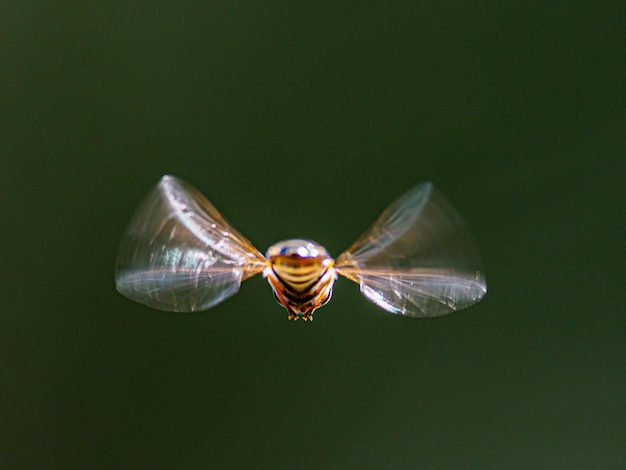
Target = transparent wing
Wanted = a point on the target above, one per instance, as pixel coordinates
(179, 254)
(418, 259)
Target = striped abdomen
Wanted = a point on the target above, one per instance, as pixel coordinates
(302, 275)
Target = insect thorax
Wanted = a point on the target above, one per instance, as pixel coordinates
(302, 275)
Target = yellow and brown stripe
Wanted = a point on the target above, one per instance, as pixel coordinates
(301, 274)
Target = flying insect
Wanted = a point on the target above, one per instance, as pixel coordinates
(179, 254)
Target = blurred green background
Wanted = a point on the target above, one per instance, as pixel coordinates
(307, 120)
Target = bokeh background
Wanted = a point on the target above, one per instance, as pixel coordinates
(307, 120)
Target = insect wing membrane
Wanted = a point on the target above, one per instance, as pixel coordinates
(418, 259)
(179, 254)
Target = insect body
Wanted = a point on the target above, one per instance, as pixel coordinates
(302, 275)
(179, 254)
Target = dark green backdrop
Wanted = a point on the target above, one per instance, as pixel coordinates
(301, 120)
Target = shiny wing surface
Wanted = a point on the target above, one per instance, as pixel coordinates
(179, 254)
(418, 259)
